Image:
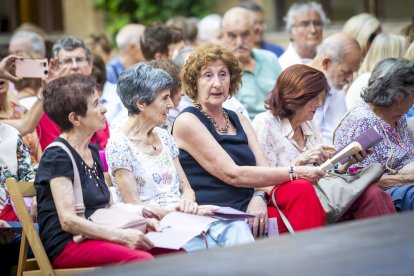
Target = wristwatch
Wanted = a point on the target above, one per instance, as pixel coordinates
(265, 196)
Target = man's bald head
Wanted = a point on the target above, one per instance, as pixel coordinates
(130, 33)
(238, 32)
(128, 43)
(338, 46)
(338, 58)
(237, 16)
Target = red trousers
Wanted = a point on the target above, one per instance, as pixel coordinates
(372, 202)
(97, 253)
(299, 203)
(8, 214)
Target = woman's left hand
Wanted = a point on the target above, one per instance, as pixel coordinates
(258, 207)
(7, 64)
(153, 225)
(187, 206)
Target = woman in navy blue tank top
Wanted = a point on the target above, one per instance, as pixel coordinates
(222, 158)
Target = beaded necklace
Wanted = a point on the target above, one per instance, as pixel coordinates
(216, 126)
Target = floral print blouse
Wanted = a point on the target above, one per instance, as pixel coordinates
(156, 178)
(25, 169)
(396, 149)
(275, 137)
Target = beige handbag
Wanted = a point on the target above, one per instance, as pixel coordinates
(337, 192)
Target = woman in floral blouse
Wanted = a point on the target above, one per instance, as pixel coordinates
(143, 158)
(288, 134)
(388, 97)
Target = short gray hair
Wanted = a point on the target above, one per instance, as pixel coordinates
(35, 41)
(392, 78)
(338, 45)
(181, 57)
(141, 82)
(299, 8)
(70, 43)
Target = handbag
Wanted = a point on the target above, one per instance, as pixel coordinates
(337, 192)
(118, 215)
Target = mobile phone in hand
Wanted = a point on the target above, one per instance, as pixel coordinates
(32, 68)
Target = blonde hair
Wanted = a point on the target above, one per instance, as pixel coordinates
(363, 27)
(384, 45)
(409, 54)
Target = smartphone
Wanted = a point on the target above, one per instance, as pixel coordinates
(32, 68)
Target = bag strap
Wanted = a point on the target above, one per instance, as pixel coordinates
(79, 206)
(283, 217)
(340, 123)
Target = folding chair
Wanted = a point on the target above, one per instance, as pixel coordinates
(40, 265)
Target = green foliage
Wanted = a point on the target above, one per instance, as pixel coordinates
(121, 12)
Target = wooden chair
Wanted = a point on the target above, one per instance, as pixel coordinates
(40, 265)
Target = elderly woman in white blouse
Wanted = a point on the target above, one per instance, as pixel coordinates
(289, 135)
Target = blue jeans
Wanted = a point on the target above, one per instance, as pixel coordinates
(403, 197)
(222, 234)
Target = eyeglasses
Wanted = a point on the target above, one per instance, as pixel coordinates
(69, 61)
(306, 24)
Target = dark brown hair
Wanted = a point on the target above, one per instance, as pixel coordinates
(296, 85)
(172, 70)
(68, 94)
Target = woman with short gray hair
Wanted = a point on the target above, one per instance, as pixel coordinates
(143, 158)
(388, 97)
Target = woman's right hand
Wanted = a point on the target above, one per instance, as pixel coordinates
(134, 239)
(7, 65)
(312, 174)
(317, 155)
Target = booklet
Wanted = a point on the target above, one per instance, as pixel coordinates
(366, 140)
(229, 213)
(178, 228)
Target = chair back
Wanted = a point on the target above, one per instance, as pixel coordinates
(18, 190)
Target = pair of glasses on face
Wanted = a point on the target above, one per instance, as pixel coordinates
(308, 23)
(70, 60)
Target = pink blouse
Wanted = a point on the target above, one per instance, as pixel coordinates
(275, 136)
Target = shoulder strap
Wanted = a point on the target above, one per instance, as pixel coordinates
(283, 217)
(340, 122)
(79, 206)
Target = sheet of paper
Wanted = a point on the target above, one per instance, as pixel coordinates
(178, 229)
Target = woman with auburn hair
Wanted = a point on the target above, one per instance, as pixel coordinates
(222, 158)
(289, 136)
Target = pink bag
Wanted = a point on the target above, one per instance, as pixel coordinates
(119, 215)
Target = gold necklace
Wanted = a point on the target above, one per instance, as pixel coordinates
(216, 126)
(146, 141)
